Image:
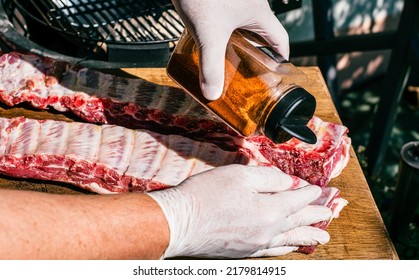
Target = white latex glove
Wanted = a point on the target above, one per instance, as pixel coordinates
(239, 211)
(211, 23)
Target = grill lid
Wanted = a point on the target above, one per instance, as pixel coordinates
(108, 21)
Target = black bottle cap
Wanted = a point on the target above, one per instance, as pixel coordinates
(290, 116)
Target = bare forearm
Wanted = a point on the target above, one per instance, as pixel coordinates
(45, 226)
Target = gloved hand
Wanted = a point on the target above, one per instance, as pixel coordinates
(211, 23)
(238, 211)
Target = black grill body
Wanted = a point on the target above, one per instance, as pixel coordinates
(114, 33)
(98, 33)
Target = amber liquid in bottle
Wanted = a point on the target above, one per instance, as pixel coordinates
(253, 85)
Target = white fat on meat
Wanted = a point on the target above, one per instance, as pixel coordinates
(4, 136)
(16, 74)
(147, 155)
(209, 156)
(104, 85)
(53, 138)
(23, 139)
(84, 141)
(167, 159)
(178, 161)
(117, 144)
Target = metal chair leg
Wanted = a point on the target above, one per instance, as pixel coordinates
(406, 199)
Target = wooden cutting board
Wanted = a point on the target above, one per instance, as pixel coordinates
(359, 232)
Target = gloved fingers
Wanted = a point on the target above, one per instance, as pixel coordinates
(273, 32)
(301, 183)
(309, 215)
(289, 202)
(273, 252)
(301, 236)
(291, 240)
(212, 64)
(262, 179)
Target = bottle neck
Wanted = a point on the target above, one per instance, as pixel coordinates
(290, 115)
(282, 89)
(277, 93)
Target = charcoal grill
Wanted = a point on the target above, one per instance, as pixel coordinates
(98, 33)
(115, 33)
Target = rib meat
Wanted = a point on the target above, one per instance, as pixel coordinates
(107, 158)
(113, 159)
(134, 103)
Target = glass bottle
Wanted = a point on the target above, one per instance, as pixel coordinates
(263, 93)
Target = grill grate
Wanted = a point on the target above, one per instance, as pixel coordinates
(114, 21)
(97, 33)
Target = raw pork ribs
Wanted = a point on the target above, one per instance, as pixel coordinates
(141, 136)
(134, 103)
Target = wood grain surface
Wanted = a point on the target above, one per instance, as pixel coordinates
(359, 232)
